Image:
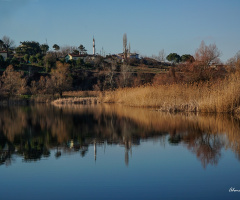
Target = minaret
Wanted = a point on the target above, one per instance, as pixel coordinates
(93, 46)
(95, 150)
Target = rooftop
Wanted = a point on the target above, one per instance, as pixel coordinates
(77, 55)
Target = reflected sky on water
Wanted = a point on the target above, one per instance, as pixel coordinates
(117, 152)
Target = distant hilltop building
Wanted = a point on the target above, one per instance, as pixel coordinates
(82, 55)
(129, 55)
(72, 56)
(91, 57)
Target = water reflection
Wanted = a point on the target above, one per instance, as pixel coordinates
(33, 132)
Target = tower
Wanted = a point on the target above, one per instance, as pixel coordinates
(93, 46)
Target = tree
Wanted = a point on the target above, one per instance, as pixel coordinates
(7, 42)
(1, 61)
(187, 58)
(13, 82)
(1, 45)
(30, 48)
(15, 61)
(125, 49)
(82, 49)
(64, 50)
(207, 54)
(33, 59)
(7, 61)
(39, 87)
(75, 51)
(234, 62)
(125, 75)
(56, 47)
(49, 61)
(162, 56)
(44, 48)
(174, 57)
(26, 58)
(79, 62)
(38, 57)
(109, 74)
(61, 78)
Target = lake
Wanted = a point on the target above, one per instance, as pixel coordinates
(116, 152)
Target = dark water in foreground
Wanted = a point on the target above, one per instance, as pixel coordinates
(113, 152)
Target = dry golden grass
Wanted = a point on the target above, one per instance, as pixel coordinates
(78, 97)
(77, 100)
(81, 94)
(220, 96)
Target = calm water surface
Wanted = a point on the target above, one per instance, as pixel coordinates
(115, 152)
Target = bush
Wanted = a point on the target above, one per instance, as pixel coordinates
(15, 61)
(40, 63)
(33, 59)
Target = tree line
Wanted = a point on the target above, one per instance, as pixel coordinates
(31, 68)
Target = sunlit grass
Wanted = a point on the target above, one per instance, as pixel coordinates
(218, 96)
(81, 93)
(77, 100)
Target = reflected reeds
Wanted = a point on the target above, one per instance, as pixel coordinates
(33, 131)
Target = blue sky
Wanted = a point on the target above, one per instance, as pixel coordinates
(151, 25)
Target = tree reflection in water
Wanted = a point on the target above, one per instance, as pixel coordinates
(32, 132)
(206, 146)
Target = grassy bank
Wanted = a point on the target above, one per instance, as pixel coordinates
(218, 96)
(76, 100)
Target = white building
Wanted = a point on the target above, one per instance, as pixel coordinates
(129, 55)
(4, 54)
(72, 56)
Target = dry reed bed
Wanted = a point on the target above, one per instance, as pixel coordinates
(220, 96)
(76, 100)
(81, 93)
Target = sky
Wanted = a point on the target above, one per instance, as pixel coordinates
(177, 26)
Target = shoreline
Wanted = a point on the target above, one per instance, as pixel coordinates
(220, 96)
(91, 101)
(76, 100)
(103, 99)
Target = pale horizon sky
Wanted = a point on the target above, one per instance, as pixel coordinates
(177, 26)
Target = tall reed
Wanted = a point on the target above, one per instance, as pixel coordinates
(218, 96)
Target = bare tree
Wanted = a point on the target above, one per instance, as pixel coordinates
(109, 79)
(61, 78)
(1, 45)
(125, 45)
(7, 42)
(64, 50)
(129, 48)
(162, 56)
(13, 82)
(124, 78)
(234, 62)
(207, 54)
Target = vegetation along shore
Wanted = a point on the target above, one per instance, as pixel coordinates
(69, 75)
